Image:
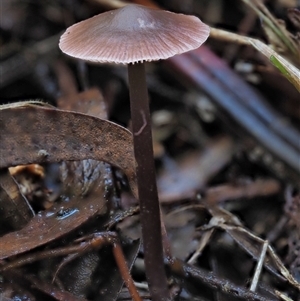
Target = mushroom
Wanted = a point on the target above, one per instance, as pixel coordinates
(133, 35)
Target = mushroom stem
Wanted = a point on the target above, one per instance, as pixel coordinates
(146, 180)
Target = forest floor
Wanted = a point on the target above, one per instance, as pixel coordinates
(226, 140)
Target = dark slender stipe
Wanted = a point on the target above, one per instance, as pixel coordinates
(149, 206)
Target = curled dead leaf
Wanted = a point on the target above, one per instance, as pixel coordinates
(35, 134)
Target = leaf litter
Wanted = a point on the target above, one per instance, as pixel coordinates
(221, 200)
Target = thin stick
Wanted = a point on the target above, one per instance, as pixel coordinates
(112, 4)
(227, 36)
(96, 241)
(283, 296)
(259, 266)
(192, 273)
(124, 271)
(204, 240)
(262, 11)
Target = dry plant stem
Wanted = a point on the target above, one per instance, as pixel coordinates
(189, 272)
(32, 257)
(227, 36)
(264, 49)
(283, 296)
(96, 241)
(243, 29)
(259, 267)
(121, 263)
(262, 11)
(203, 242)
(146, 179)
(111, 4)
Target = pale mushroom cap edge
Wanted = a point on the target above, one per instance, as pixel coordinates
(133, 34)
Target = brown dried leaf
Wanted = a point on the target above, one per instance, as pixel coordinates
(33, 134)
(14, 207)
(53, 223)
(79, 177)
(89, 102)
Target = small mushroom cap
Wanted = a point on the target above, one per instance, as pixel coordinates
(133, 34)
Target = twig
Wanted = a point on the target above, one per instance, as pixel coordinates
(186, 271)
(259, 267)
(273, 24)
(285, 67)
(283, 296)
(204, 240)
(95, 241)
(227, 36)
